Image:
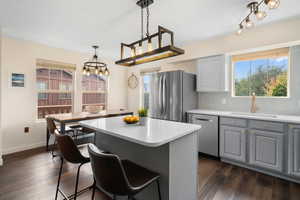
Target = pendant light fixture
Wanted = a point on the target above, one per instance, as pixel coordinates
(95, 66)
(256, 10)
(149, 52)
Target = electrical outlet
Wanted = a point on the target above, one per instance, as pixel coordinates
(26, 129)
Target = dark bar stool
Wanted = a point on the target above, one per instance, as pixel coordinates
(68, 151)
(119, 177)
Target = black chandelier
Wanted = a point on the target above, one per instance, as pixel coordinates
(255, 9)
(137, 53)
(95, 66)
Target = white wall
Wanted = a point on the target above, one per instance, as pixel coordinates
(19, 105)
(1, 161)
(271, 35)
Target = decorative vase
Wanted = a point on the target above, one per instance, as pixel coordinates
(143, 120)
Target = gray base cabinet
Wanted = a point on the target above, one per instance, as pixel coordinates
(269, 147)
(233, 143)
(294, 151)
(266, 149)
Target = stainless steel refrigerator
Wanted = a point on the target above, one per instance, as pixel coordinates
(171, 95)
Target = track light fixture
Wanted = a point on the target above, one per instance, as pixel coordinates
(255, 9)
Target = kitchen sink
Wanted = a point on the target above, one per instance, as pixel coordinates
(254, 114)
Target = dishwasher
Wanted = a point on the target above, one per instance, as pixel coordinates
(208, 136)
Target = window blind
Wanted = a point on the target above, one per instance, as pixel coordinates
(42, 63)
(274, 53)
(151, 70)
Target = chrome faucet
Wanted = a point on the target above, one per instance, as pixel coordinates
(253, 108)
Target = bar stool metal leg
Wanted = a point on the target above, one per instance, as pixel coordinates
(77, 181)
(53, 148)
(158, 187)
(59, 177)
(94, 189)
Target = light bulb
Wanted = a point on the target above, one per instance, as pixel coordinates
(88, 73)
(260, 14)
(150, 47)
(106, 72)
(101, 72)
(84, 71)
(132, 51)
(272, 4)
(239, 32)
(249, 23)
(96, 70)
(241, 27)
(140, 51)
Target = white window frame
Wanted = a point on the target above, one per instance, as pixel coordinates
(72, 91)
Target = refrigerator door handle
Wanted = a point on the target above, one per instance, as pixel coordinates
(160, 95)
(164, 95)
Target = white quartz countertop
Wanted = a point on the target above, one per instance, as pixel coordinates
(155, 133)
(258, 116)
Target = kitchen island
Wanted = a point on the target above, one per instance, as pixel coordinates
(167, 147)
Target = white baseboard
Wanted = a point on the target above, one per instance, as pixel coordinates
(22, 148)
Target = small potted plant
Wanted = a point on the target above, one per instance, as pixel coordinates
(143, 113)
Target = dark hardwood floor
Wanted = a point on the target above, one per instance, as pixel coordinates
(33, 175)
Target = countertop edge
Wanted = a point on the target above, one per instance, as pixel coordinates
(281, 118)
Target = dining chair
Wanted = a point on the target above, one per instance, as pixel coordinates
(80, 131)
(68, 151)
(52, 129)
(119, 177)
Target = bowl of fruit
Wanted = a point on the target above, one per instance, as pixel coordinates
(131, 119)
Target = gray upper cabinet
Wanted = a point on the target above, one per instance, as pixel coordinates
(233, 143)
(212, 74)
(266, 149)
(294, 151)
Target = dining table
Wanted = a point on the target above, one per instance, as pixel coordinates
(71, 118)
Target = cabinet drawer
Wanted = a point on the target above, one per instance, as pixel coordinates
(268, 126)
(233, 122)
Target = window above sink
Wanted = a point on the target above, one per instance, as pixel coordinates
(265, 73)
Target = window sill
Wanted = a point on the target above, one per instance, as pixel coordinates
(260, 97)
(40, 121)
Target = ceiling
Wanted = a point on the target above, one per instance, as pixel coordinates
(78, 24)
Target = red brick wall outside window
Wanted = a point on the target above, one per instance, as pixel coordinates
(93, 91)
(55, 91)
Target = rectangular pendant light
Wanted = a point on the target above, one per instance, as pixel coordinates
(159, 53)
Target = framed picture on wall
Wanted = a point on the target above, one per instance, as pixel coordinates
(17, 80)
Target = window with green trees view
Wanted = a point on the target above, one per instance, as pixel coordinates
(263, 73)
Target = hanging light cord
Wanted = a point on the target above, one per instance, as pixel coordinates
(142, 23)
(148, 15)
